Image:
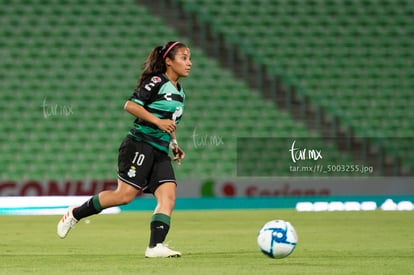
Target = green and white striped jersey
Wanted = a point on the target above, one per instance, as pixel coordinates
(162, 99)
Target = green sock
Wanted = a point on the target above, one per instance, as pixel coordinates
(90, 207)
(161, 218)
(160, 225)
(96, 203)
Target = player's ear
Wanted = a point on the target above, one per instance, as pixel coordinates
(168, 61)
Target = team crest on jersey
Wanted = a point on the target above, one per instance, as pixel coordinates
(156, 79)
(132, 172)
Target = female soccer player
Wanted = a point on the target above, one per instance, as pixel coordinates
(143, 161)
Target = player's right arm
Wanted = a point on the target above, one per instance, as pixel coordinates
(144, 94)
(139, 111)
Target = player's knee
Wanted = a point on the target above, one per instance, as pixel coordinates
(166, 195)
(126, 198)
(168, 202)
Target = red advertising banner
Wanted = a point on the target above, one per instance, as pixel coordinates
(233, 187)
(55, 188)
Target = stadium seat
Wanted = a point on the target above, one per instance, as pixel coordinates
(86, 57)
(334, 43)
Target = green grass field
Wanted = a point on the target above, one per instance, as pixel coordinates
(212, 242)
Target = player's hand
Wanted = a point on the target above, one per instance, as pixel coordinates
(166, 125)
(178, 153)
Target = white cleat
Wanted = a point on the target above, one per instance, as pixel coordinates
(66, 223)
(161, 251)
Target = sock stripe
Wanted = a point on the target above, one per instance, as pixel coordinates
(161, 218)
(96, 203)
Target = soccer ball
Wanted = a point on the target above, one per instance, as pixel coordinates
(277, 239)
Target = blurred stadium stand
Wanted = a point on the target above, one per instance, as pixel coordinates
(288, 69)
(342, 67)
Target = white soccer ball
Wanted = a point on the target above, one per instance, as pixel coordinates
(277, 239)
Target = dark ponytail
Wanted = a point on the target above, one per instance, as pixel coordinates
(155, 62)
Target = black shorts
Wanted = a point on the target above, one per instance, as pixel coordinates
(143, 166)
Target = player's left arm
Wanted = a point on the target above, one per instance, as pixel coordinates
(177, 151)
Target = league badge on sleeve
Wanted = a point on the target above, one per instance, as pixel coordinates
(156, 79)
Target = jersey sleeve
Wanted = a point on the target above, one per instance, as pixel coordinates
(147, 92)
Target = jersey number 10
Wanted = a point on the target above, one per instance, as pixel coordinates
(138, 159)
